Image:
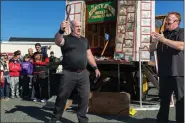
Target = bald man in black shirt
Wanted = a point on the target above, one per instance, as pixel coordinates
(170, 52)
(76, 54)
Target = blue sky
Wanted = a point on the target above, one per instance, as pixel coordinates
(42, 18)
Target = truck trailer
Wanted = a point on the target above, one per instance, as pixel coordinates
(129, 25)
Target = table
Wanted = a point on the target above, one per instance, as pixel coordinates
(115, 62)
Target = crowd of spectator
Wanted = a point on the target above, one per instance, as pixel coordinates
(25, 76)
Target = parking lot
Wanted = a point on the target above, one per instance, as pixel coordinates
(18, 110)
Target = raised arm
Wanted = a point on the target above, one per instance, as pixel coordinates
(59, 40)
(178, 45)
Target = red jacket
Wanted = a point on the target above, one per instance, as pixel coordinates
(41, 64)
(1, 79)
(15, 69)
(43, 61)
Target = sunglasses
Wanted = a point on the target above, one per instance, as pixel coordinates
(167, 23)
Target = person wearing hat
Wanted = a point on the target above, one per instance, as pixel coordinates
(40, 74)
(15, 68)
(52, 58)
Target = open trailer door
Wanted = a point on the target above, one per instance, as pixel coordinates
(135, 22)
(77, 12)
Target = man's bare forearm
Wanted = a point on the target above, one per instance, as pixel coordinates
(59, 40)
(178, 45)
(91, 61)
(91, 58)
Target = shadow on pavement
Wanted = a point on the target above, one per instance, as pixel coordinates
(129, 119)
(124, 119)
(35, 112)
(150, 120)
(42, 115)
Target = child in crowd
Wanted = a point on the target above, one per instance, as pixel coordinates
(15, 69)
(27, 70)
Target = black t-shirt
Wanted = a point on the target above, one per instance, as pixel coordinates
(52, 59)
(74, 52)
(170, 60)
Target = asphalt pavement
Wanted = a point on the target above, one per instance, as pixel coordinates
(18, 110)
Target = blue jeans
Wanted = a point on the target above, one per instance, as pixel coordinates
(7, 87)
(5, 91)
(1, 92)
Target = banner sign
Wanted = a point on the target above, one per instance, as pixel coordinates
(102, 12)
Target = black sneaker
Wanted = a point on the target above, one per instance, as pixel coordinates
(18, 97)
(12, 97)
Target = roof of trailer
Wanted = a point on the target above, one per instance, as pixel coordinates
(22, 39)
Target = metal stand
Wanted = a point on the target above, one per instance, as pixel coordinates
(156, 62)
(140, 80)
(141, 106)
(48, 83)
